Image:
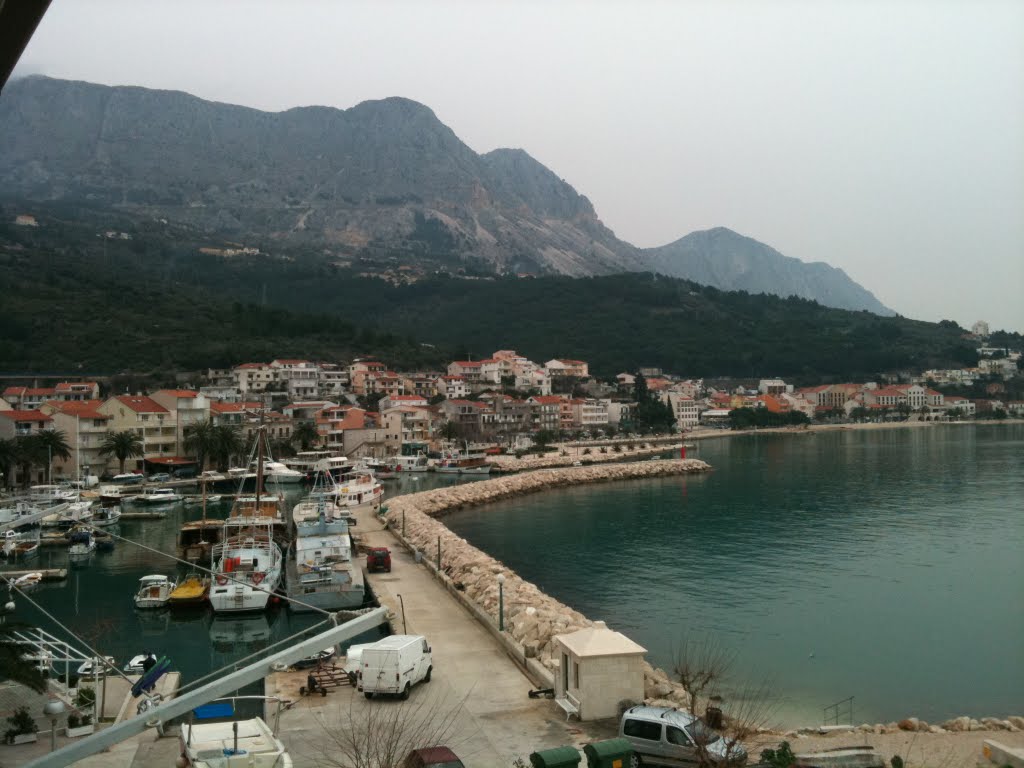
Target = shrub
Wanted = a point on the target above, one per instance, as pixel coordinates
(778, 758)
(21, 722)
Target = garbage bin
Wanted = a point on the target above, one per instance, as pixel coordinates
(418, 556)
(559, 757)
(611, 753)
(713, 718)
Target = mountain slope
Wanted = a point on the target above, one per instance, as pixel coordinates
(382, 176)
(732, 262)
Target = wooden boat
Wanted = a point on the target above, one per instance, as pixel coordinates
(20, 545)
(191, 592)
(29, 580)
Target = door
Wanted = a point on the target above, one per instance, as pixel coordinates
(678, 746)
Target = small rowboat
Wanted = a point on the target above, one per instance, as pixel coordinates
(192, 591)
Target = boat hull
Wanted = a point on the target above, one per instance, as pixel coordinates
(238, 598)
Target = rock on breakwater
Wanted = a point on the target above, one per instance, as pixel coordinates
(532, 618)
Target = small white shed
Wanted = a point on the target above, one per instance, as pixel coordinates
(598, 668)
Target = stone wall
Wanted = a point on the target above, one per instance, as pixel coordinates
(532, 618)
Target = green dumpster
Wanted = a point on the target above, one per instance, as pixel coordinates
(613, 753)
(559, 757)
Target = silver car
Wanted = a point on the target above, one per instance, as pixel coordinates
(662, 736)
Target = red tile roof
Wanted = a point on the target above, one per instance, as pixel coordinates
(141, 404)
(547, 399)
(394, 398)
(86, 409)
(182, 393)
(30, 391)
(68, 386)
(466, 364)
(32, 415)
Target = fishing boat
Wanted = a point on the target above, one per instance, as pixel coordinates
(357, 490)
(248, 563)
(321, 573)
(52, 494)
(246, 742)
(83, 543)
(67, 514)
(115, 493)
(154, 496)
(106, 515)
(405, 464)
(310, 462)
(456, 463)
(191, 592)
(20, 546)
(154, 591)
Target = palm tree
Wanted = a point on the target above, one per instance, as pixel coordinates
(306, 434)
(200, 438)
(123, 445)
(27, 456)
(54, 445)
(8, 458)
(227, 442)
(449, 430)
(282, 449)
(12, 666)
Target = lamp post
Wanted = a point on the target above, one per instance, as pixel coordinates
(402, 603)
(501, 602)
(53, 709)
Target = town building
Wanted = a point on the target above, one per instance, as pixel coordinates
(154, 424)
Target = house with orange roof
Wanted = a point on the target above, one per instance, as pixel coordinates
(23, 423)
(253, 377)
(76, 390)
(452, 387)
(86, 428)
(467, 415)
(468, 370)
(359, 370)
(154, 424)
(685, 408)
(547, 411)
(186, 406)
(300, 378)
(559, 368)
(28, 398)
(395, 401)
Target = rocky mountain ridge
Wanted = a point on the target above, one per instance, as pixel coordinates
(383, 178)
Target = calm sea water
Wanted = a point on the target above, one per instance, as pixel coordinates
(884, 565)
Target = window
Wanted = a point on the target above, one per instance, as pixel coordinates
(576, 674)
(641, 729)
(676, 736)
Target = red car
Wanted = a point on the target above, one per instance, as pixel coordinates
(432, 757)
(378, 559)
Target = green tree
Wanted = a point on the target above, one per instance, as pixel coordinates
(201, 439)
(8, 459)
(27, 456)
(122, 445)
(544, 437)
(53, 444)
(228, 442)
(449, 430)
(305, 434)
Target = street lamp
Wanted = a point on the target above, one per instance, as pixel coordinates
(501, 602)
(53, 709)
(402, 602)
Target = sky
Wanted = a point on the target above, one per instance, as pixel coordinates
(884, 137)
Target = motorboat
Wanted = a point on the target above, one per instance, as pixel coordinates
(91, 669)
(52, 494)
(311, 462)
(156, 496)
(234, 631)
(197, 500)
(249, 743)
(316, 659)
(13, 511)
(106, 515)
(83, 543)
(357, 490)
(28, 580)
(401, 464)
(191, 592)
(154, 591)
(129, 478)
(136, 666)
(277, 473)
(116, 493)
(455, 463)
(67, 514)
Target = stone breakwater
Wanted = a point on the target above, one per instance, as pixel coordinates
(532, 618)
(552, 460)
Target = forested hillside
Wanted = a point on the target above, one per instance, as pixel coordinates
(73, 300)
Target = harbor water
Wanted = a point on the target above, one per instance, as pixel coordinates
(886, 565)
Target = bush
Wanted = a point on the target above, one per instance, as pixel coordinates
(74, 720)
(778, 758)
(86, 698)
(21, 722)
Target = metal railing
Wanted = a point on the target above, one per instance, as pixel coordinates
(833, 712)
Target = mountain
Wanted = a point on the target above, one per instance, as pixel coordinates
(732, 262)
(383, 181)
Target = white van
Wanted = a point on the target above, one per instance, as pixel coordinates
(394, 665)
(353, 658)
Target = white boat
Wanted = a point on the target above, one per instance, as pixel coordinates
(129, 478)
(154, 591)
(13, 510)
(158, 496)
(29, 580)
(136, 665)
(249, 743)
(402, 464)
(277, 473)
(83, 543)
(105, 516)
(52, 494)
(195, 501)
(356, 490)
(321, 572)
(18, 546)
(247, 565)
(100, 670)
(458, 464)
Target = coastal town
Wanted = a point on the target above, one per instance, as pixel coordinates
(503, 403)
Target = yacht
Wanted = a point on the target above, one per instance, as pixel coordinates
(277, 473)
(356, 490)
(405, 464)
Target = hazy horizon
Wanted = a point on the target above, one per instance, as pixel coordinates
(885, 139)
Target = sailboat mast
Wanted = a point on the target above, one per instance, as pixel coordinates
(261, 435)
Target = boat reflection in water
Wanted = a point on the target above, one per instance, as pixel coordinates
(250, 632)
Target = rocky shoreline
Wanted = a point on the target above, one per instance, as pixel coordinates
(533, 618)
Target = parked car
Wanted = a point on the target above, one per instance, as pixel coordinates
(378, 559)
(159, 477)
(185, 473)
(432, 757)
(394, 665)
(663, 736)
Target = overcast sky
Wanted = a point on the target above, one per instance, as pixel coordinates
(885, 138)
